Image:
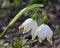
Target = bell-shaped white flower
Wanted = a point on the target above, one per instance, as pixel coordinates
(29, 24)
(43, 32)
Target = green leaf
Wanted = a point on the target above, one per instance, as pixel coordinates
(1, 46)
(20, 43)
(9, 46)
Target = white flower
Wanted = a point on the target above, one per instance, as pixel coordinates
(43, 32)
(29, 24)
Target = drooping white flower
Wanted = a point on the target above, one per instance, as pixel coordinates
(29, 24)
(43, 32)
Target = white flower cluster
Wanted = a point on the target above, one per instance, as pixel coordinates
(43, 31)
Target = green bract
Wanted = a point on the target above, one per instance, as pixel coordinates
(34, 17)
(45, 20)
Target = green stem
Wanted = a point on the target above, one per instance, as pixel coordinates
(23, 11)
(43, 11)
(45, 19)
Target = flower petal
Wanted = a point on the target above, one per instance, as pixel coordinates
(33, 31)
(33, 37)
(41, 32)
(50, 40)
(41, 39)
(27, 28)
(27, 21)
(44, 31)
(24, 31)
(21, 26)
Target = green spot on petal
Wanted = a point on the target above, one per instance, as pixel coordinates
(33, 36)
(40, 40)
(20, 26)
(50, 40)
(24, 31)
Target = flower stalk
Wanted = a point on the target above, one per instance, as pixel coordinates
(45, 18)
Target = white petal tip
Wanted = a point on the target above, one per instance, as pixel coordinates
(51, 42)
(20, 26)
(40, 40)
(23, 32)
(32, 39)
